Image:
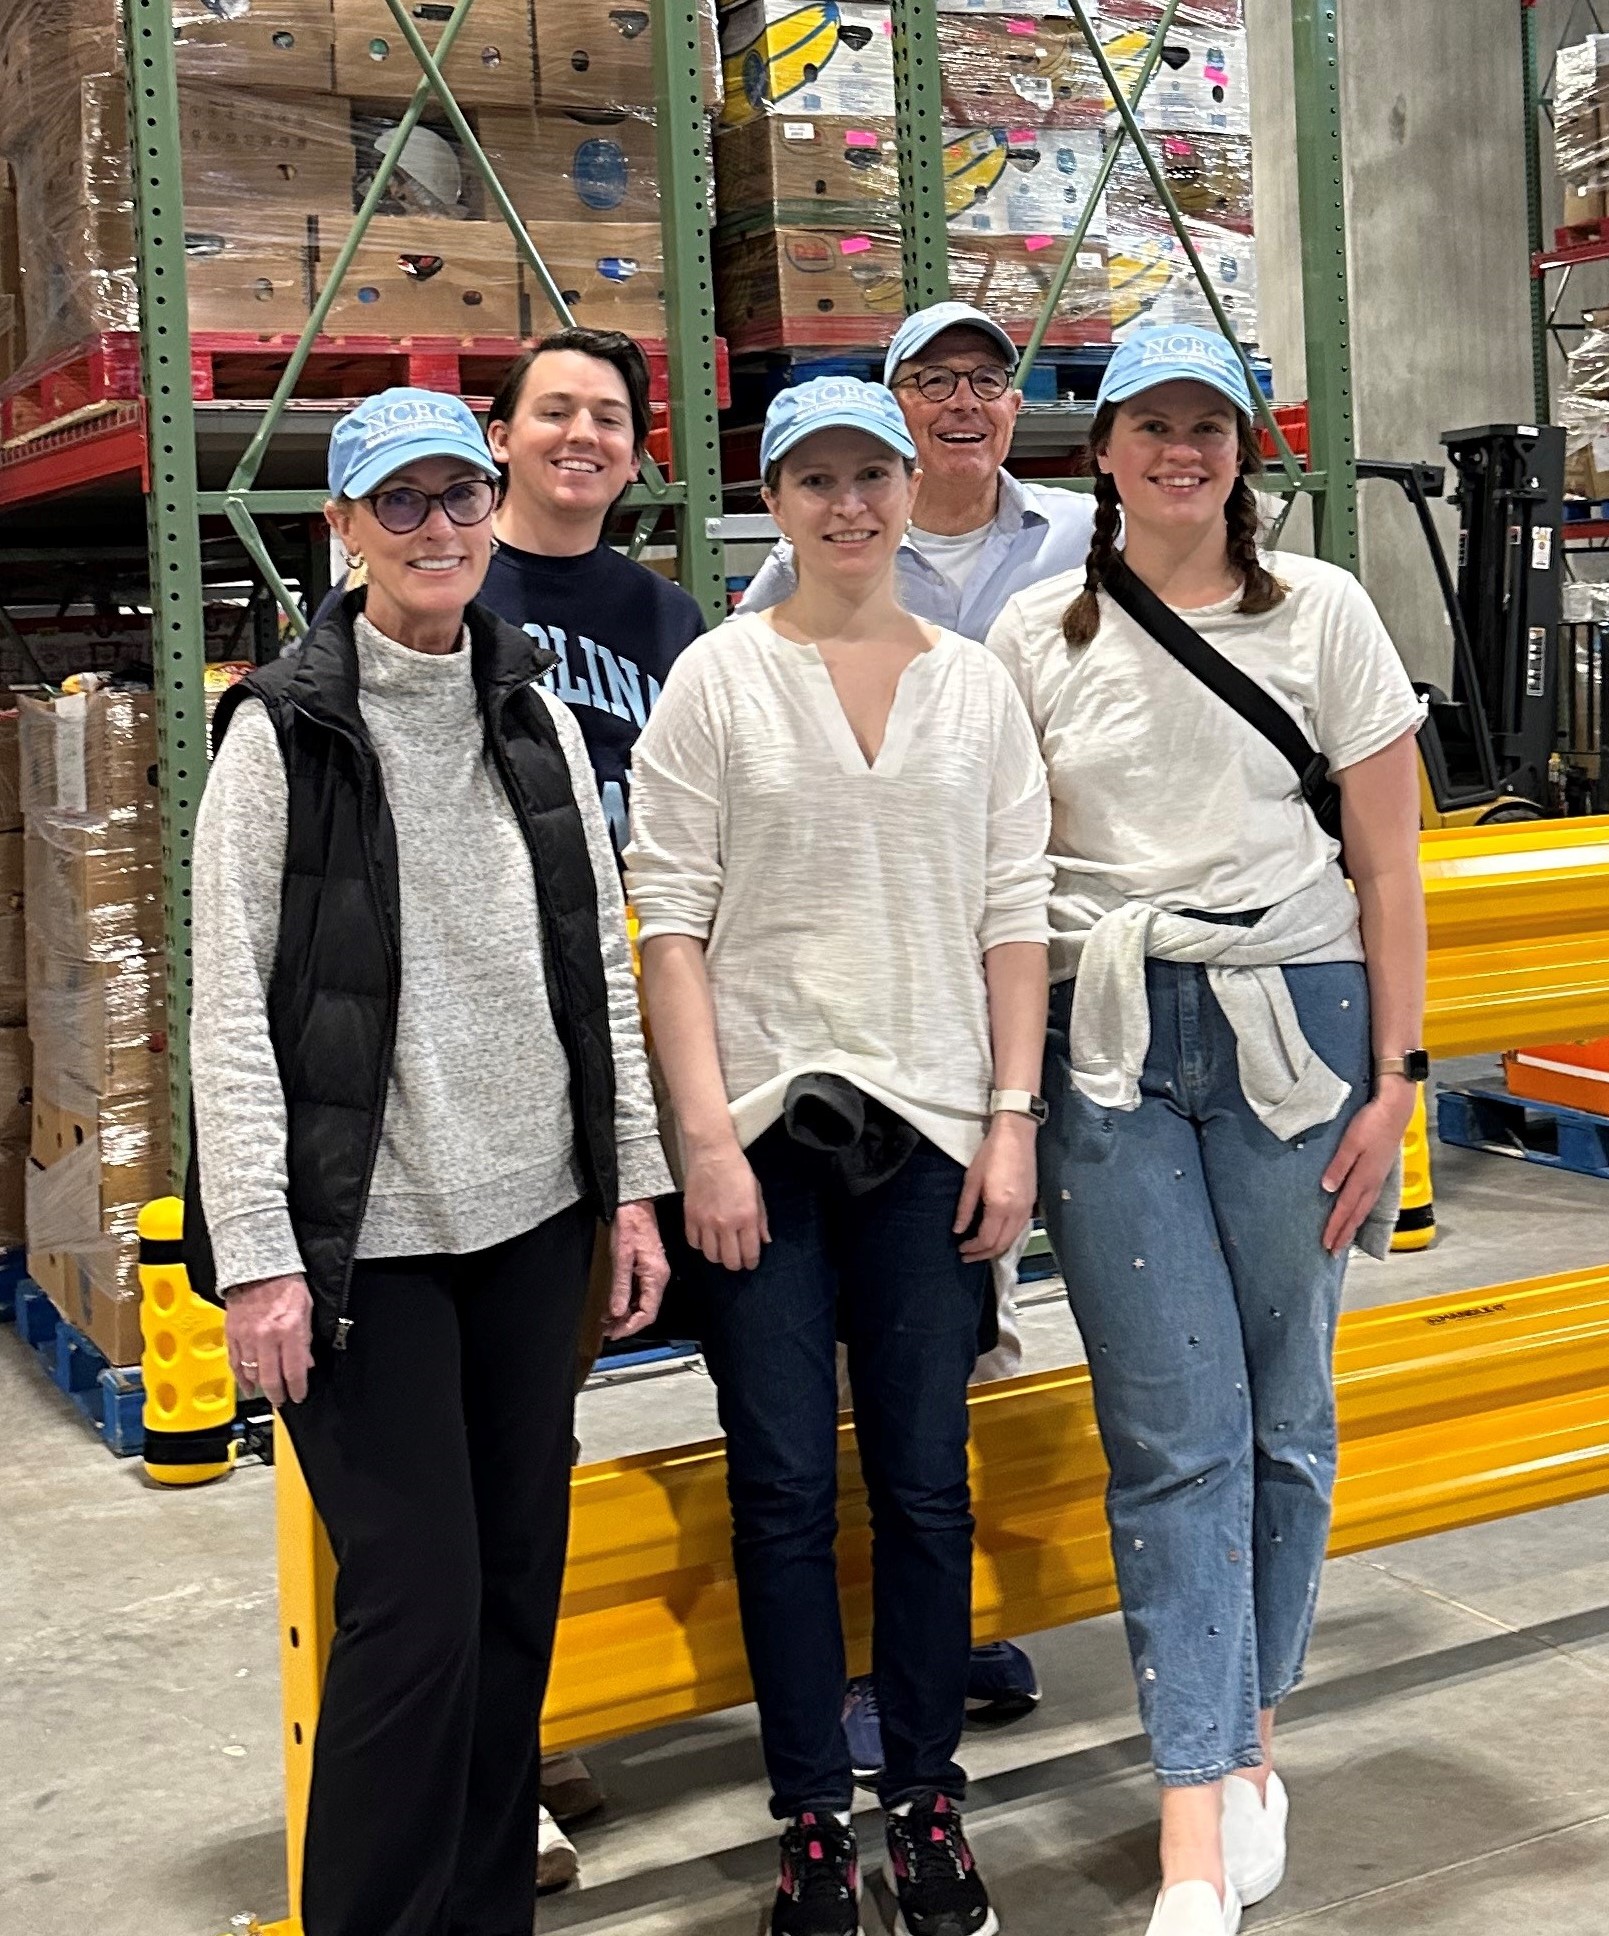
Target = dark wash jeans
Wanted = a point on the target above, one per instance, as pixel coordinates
(886, 1269)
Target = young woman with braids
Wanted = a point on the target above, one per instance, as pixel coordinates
(1217, 1137)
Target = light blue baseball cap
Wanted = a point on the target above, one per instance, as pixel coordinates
(916, 332)
(832, 403)
(1169, 352)
(397, 427)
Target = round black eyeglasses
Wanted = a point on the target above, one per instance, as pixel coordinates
(403, 509)
(938, 382)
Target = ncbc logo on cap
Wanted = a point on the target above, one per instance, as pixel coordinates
(399, 427)
(828, 403)
(1170, 354)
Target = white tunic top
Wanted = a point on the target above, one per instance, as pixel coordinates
(846, 908)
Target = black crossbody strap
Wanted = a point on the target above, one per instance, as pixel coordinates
(1183, 642)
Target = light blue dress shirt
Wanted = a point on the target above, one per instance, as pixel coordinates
(1037, 532)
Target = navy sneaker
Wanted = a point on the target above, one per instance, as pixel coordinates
(931, 1871)
(818, 1887)
(1001, 1683)
(863, 1729)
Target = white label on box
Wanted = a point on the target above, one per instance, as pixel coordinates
(1542, 548)
(1036, 89)
(1089, 259)
(798, 131)
(72, 790)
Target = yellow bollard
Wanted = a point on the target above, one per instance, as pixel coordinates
(1416, 1220)
(189, 1388)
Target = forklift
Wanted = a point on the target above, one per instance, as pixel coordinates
(1486, 748)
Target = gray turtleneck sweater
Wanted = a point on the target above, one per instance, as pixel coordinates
(478, 1143)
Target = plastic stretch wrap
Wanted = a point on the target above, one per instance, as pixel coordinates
(1581, 128)
(94, 884)
(1208, 175)
(1207, 16)
(103, 1025)
(1152, 281)
(16, 1125)
(1018, 70)
(795, 287)
(831, 57)
(285, 113)
(1583, 409)
(87, 753)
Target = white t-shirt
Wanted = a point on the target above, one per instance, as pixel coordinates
(845, 908)
(1157, 788)
(954, 556)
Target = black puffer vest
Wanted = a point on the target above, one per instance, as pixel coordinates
(332, 996)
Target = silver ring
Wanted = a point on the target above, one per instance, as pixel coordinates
(248, 1364)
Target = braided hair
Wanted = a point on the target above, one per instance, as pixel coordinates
(1261, 590)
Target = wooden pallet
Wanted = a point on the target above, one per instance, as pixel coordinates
(110, 1397)
(1489, 1118)
(99, 375)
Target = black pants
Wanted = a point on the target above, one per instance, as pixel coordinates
(437, 1451)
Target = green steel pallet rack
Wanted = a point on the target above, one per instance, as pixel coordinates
(176, 503)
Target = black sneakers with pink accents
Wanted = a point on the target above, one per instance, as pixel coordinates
(818, 1888)
(931, 1871)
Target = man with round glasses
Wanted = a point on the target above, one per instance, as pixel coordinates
(979, 534)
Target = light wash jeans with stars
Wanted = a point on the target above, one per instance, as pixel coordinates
(1190, 1238)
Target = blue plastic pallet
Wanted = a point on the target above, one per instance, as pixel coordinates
(111, 1397)
(13, 1270)
(1537, 1132)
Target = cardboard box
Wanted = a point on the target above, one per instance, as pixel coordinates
(94, 884)
(612, 277)
(793, 287)
(100, 1025)
(1208, 175)
(10, 771)
(1018, 71)
(600, 54)
(96, 1162)
(1569, 1075)
(1201, 84)
(97, 1288)
(782, 58)
(1581, 129)
(428, 278)
(1009, 277)
(575, 164)
(13, 960)
(1152, 281)
(1022, 181)
(284, 45)
(87, 752)
(788, 171)
(13, 1195)
(490, 65)
(13, 337)
(16, 1088)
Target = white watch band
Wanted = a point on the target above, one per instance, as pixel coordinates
(1015, 1102)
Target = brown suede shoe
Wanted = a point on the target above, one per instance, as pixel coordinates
(569, 1794)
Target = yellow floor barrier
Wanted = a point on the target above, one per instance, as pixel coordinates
(1518, 920)
(1454, 1410)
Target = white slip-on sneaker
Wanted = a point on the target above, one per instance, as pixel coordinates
(1193, 1909)
(557, 1864)
(1254, 1836)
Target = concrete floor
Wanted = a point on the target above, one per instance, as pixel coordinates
(1446, 1757)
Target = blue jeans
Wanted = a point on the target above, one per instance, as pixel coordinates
(1190, 1238)
(885, 1267)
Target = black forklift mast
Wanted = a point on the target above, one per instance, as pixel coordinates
(1490, 741)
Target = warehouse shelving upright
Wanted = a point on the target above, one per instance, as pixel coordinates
(157, 443)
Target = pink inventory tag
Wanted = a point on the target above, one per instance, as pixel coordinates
(1034, 243)
(1022, 137)
(1022, 26)
(1176, 146)
(860, 138)
(854, 245)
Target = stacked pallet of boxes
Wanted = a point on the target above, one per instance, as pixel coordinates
(99, 1146)
(286, 109)
(808, 254)
(16, 1056)
(1581, 131)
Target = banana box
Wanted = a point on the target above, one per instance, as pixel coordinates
(600, 53)
(807, 171)
(1152, 281)
(809, 288)
(575, 164)
(1200, 83)
(830, 57)
(1208, 175)
(1000, 71)
(1212, 16)
(1008, 277)
(1021, 181)
(611, 276)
